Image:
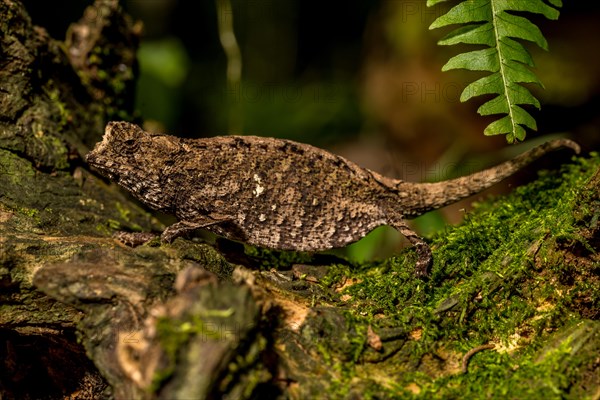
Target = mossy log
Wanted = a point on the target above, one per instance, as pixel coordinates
(511, 309)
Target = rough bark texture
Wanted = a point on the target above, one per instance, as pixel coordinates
(82, 316)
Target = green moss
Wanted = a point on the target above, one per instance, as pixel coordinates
(64, 112)
(248, 362)
(335, 274)
(500, 277)
(125, 214)
(59, 152)
(13, 169)
(114, 224)
(272, 259)
(102, 230)
(30, 212)
(57, 204)
(225, 317)
(205, 255)
(172, 335)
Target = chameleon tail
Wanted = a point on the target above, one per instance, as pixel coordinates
(440, 194)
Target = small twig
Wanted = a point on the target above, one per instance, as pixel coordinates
(470, 353)
(233, 54)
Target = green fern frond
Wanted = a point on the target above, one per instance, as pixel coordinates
(491, 23)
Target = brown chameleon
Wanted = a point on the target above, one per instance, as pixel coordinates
(278, 193)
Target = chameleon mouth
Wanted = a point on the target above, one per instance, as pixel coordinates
(103, 167)
(104, 171)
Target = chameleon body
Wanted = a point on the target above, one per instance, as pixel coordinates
(277, 193)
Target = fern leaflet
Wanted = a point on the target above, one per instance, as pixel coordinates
(491, 23)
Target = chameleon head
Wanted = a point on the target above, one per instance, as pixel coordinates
(134, 159)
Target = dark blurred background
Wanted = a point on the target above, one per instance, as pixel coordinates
(361, 78)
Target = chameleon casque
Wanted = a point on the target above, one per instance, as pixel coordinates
(278, 193)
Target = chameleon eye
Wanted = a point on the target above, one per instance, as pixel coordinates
(129, 145)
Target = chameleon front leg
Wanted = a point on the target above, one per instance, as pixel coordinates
(424, 256)
(185, 227)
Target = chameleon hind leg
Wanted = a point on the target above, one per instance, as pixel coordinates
(424, 256)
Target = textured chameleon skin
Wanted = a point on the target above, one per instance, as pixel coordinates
(276, 193)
